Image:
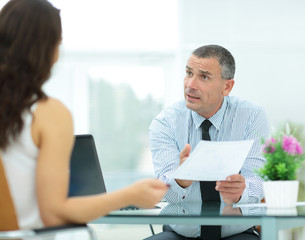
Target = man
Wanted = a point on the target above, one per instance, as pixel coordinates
(176, 130)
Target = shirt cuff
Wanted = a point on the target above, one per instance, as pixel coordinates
(175, 190)
(245, 196)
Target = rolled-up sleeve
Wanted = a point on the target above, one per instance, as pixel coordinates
(166, 158)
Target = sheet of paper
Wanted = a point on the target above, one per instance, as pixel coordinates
(213, 161)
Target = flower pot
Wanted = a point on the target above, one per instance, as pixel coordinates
(281, 194)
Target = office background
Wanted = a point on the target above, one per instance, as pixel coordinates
(123, 61)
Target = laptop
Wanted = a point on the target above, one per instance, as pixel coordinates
(86, 176)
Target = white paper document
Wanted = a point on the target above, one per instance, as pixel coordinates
(213, 161)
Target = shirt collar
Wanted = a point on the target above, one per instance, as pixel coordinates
(216, 119)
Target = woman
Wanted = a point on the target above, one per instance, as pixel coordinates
(36, 131)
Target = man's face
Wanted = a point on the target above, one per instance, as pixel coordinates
(204, 88)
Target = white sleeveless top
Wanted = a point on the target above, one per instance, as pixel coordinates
(19, 160)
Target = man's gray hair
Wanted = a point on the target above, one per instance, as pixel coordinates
(224, 57)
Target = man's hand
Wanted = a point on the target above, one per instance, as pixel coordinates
(183, 156)
(231, 189)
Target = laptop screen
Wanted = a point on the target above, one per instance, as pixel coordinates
(85, 172)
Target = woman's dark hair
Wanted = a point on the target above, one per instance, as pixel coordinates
(30, 31)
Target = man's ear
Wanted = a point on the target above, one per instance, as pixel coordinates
(228, 86)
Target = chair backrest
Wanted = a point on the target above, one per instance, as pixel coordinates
(8, 217)
(9, 228)
(86, 177)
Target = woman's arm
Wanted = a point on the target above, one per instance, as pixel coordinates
(52, 132)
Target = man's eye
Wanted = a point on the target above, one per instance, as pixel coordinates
(204, 77)
(188, 73)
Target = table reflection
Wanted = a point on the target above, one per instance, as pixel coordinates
(282, 211)
(206, 210)
(211, 209)
(230, 211)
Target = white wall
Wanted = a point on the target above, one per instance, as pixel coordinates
(267, 39)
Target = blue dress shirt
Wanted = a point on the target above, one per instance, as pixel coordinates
(177, 125)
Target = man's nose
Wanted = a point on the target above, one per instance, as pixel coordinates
(192, 82)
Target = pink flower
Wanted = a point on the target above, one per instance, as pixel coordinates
(268, 149)
(269, 146)
(291, 145)
(299, 149)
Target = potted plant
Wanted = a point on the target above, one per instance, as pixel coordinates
(284, 155)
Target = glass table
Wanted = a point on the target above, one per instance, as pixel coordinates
(270, 220)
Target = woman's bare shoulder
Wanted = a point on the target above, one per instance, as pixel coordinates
(51, 119)
(52, 111)
(51, 104)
